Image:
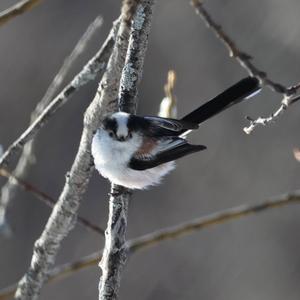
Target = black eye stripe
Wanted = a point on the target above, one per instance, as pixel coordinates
(110, 124)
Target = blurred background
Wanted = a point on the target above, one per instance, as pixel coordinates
(256, 257)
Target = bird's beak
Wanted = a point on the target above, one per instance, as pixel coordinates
(121, 138)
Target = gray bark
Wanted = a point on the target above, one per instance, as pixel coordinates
(115, 250)
(63, 216)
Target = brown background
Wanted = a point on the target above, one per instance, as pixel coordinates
(253, 258)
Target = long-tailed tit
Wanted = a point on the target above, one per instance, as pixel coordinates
(136, 152)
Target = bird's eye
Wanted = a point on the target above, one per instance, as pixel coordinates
(111, 134)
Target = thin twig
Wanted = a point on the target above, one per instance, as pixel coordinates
(17, 9)
(63, 216)
(89, 72)
(173, 232)
(27, 157)
(48, 200)
(245, 60)
(286, 102)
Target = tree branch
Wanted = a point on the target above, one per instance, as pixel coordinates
(17, 9)
(245, 60)
(27, 157)
(89, 72)
(173, 232)
(115, 251)
(64, 214)
(286, 102)
(49, 201)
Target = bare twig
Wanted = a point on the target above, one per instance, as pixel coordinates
(27, 157)
(49, 201)
(115, 251)
(94, 67)
(286, 102)
(245, 60)
(64, 214)
(17, 9)
(168, 106)
(173, 232)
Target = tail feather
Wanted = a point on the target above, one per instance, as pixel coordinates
(242, 90)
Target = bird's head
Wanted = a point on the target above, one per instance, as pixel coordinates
(117, 126)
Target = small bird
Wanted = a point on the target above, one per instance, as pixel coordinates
(138, 151)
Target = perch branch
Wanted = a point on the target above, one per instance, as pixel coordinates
(27, 157)
(94, 67)
(245, 60)
(49, 201)
(17, 9)
(173, 232)
(63, 216)
(115, 250)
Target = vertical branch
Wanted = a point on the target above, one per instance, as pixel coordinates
(115, 250)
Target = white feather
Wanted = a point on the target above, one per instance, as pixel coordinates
(122, 120)
(111, 159)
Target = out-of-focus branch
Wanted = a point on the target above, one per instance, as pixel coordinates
(27, 157)
(63, 216)
(168, 106)
(49, 201)
(245, 60)
(17, 9)
(115, 250)
(217, 218)
(59, 272)
(173, 232)
(89, 72)
(296, 152)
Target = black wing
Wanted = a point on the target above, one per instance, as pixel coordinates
(168, 127)
(168, 150)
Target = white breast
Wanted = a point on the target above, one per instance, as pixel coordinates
(112, 157)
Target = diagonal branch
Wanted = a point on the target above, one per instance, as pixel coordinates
(49, 201)
(89, 72)
(27, 157)
(64, 214)
(115, 250)
(17, 9)
(173, 232)
(245, 60)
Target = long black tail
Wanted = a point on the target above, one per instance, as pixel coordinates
(240, 91)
